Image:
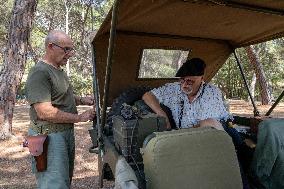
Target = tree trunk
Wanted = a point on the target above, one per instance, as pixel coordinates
(15, 56)
(252, 86)
(34, 56)
(67, 7)
(176, 60)
(266, 97)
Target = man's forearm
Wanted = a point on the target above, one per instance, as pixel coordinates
(84, 100)
(153, 103)
(62, 117)
(47, 112)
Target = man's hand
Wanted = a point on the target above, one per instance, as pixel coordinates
(87, 115)
(211, 123)
(163, 114)
(154, 104)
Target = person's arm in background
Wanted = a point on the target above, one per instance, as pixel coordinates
(45, 111)
(150, 99)
(88, 100)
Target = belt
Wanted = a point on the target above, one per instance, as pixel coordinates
(47, 128)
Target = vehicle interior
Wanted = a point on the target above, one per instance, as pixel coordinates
(208, 29)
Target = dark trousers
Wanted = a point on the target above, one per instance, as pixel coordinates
(241, 150)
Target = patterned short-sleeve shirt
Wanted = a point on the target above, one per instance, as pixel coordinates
(208, 103)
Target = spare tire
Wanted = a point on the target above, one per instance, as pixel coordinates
(129, 96)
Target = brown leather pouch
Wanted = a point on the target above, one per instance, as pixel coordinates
(38, 146)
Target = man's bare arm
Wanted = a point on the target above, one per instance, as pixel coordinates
(154, 104)
(88, 100)
(45, 111)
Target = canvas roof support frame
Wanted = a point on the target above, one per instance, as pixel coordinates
(134, 29)
(275, 104)
(228, 15)
(106, 87)
(272, 10)
(108, 69)
(96, 125)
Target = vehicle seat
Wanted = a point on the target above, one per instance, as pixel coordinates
(268, 160)
(191, 158)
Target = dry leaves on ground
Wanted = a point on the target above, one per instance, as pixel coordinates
(15, 171)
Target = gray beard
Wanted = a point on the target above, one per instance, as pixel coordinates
(187, 92)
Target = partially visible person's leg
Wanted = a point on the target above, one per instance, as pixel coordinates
(57, 174)
(237, 139)
(71, 152)
(240, 147)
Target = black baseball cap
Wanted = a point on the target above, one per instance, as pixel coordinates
(192, 67)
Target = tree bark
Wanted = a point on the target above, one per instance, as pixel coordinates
(266, 96)
(67, 8)
(15, 56)
(34, 55)
(252, 86)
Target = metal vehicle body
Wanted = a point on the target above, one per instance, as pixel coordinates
(212, 30)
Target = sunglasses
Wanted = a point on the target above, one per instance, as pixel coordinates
(65, 49)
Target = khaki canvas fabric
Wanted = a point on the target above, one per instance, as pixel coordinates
(191, 158)
(210, 29)
(239, 22)
(48, 84)
(128, 52)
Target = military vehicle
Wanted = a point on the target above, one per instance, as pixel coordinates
(133, 147)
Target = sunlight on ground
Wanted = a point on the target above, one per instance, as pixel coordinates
(240, 107)
(15, 169)
(16, 152)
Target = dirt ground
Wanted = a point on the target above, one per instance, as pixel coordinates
(240, 107)
(15, 171)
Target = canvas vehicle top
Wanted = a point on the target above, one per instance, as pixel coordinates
(220, 26)
(207, 29)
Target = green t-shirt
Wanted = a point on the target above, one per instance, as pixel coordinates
(45, 83)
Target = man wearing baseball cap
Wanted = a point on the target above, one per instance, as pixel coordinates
(191, 101)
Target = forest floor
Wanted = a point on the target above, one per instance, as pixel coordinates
(15, 170)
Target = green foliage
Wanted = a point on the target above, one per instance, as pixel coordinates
(229, 79)
(270, 55)
(85, 16)
(21, 90)
(161, 63)
(82, 84)
(6, 10)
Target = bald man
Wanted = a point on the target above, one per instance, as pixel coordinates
(53, 111)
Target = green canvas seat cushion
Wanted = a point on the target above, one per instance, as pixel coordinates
(191, 158)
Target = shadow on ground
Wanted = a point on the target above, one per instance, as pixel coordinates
(15, 168)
